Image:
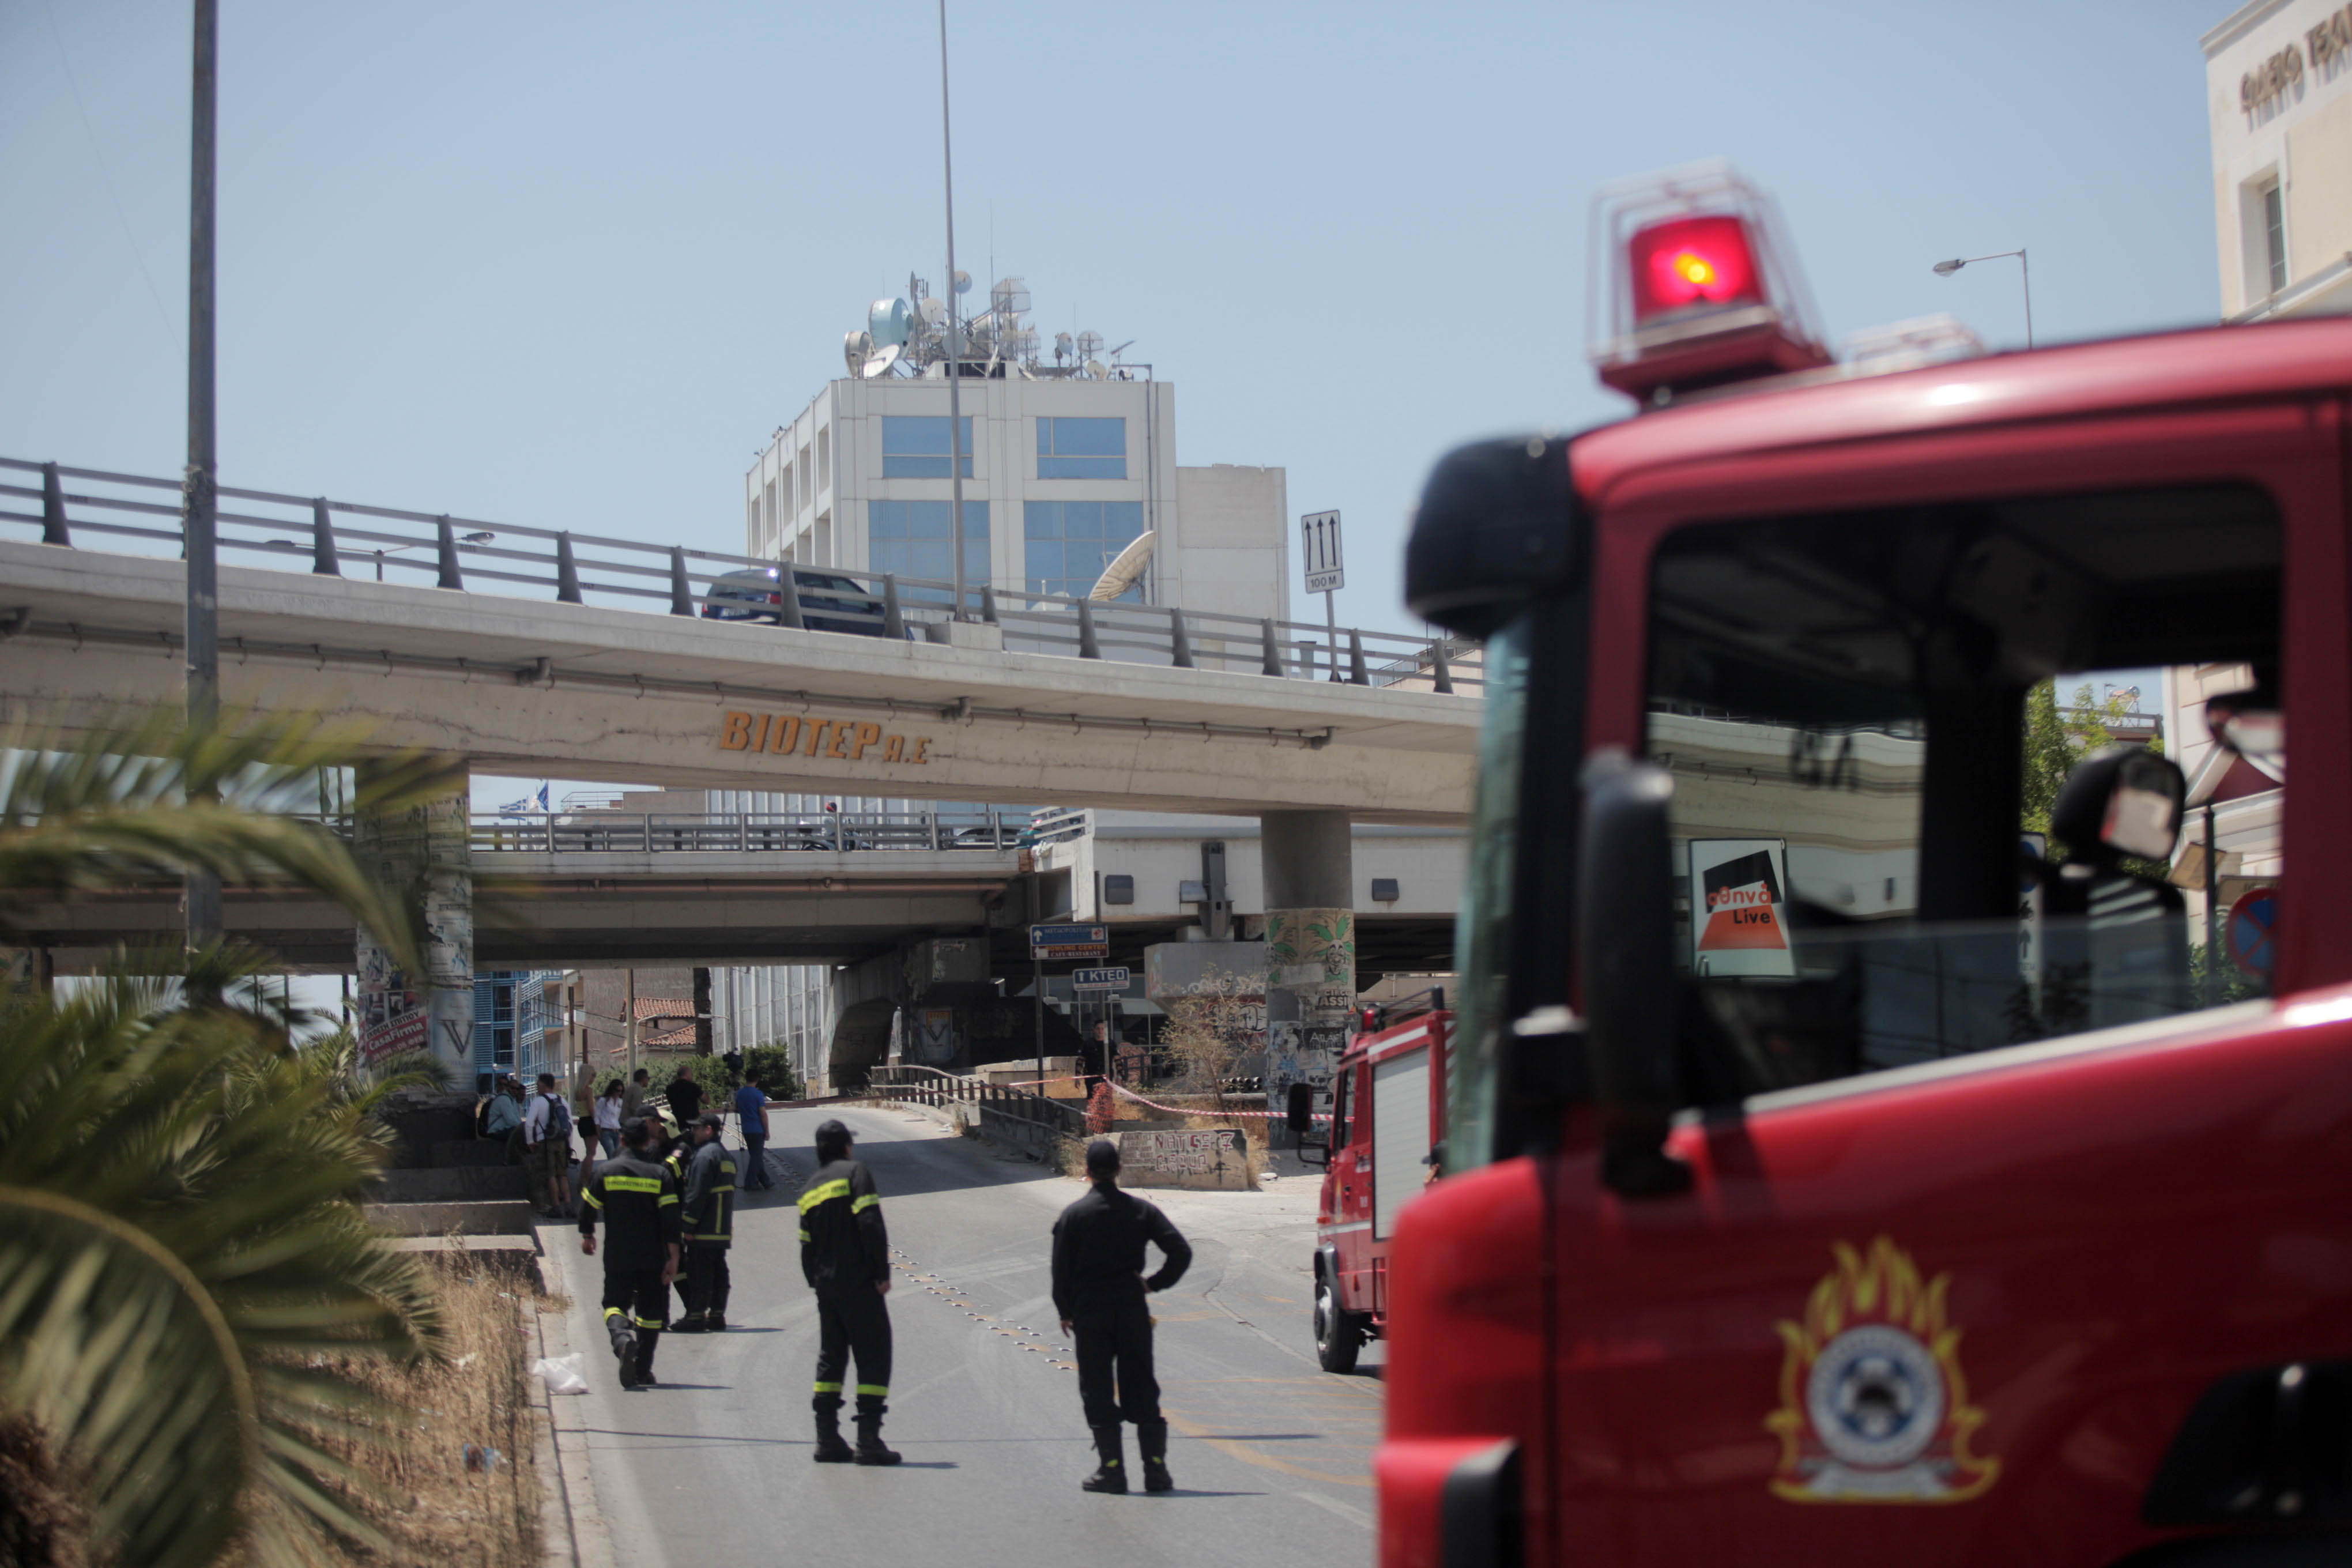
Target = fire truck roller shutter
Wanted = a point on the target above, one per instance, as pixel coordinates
(1399, 1135)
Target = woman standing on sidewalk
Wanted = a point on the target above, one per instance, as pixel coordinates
(608, 1118)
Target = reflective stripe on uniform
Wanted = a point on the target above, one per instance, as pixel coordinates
(613, 1313)
(837, 1188)
(805, 1235)
(649, 1323)
(863, 1204)
(876, 1390)
(668, 1199)
(829, 1388)
(633, 1184)
(593, 1198)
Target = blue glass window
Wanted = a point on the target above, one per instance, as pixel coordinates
(1082, 449)
(916, 539)
(915, 447)
(1066, 544)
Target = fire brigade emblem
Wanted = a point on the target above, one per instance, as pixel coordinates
(1873, 1405)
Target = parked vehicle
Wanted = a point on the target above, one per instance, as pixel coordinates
(1813, 1196)
(1381, 1147)
(829, 601)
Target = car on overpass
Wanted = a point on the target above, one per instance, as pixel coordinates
(829, 601)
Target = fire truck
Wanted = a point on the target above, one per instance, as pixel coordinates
(1381, 1146)
(1813, 1196)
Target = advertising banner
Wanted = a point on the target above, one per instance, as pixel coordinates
(1738, 900)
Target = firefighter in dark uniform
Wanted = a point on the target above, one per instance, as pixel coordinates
(639, 1205)
(708, 1208)
(1098, 1289)
(672, 1152)
(845, 1256)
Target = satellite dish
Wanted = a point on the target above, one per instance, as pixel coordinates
(856, 347)
(1090, 344)
(963, 282)
(934, 314)
(879, 365)
(889, 321)
(1010, 297)
(1095, 368)
(1120, 574)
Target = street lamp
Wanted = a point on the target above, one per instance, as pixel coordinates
(465, 542)
(2025, 275)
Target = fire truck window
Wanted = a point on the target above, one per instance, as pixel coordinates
(1868, 730)
(1339, 1110)
(1483, 928)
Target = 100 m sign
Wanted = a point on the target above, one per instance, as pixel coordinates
(844, 740)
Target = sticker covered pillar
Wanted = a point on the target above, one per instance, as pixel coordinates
(1310, 949)
(420, 851)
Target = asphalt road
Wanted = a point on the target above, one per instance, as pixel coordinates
(1271, 1455)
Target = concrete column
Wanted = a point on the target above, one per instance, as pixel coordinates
(1307, 857)
(422, 851)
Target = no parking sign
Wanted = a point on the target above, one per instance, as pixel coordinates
(2253, 931)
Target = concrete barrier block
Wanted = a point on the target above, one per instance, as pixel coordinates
(1208, 1159)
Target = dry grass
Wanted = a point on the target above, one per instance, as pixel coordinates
(439, 1507)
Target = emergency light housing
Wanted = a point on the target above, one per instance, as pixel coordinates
(1693, 284)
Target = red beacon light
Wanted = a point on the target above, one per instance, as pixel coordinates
(1698, 292)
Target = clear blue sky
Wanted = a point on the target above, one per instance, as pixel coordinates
(567, 265)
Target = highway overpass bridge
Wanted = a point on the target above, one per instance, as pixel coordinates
(535, 651)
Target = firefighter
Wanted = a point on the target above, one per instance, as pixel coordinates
(708, 1210)
(639, 1204)
(1099, 1289)
(673, 1151)
(845, 1256)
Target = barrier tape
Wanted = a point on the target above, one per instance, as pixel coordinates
(1171, 1109)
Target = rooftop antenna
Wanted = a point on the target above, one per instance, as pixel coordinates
(955, 345)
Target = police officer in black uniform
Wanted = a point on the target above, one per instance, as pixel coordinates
(845, 1256)
(709, 1207)
(1098, 1289)
(639, 1205)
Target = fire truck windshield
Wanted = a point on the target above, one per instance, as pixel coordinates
(1483, 928)
(1892, 842)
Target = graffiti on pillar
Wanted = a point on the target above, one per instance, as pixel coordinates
(392, 1014)
(931, 1042)
(1312, 950)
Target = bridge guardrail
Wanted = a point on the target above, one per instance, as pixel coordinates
(623, 832)
(938, 1087)
(324, 536)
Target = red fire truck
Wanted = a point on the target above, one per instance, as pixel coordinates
(1812, 1198)
(1388, 1117)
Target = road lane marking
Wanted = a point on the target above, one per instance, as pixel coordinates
(1353, 1515)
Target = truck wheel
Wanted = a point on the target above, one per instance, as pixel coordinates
(1337, 1333)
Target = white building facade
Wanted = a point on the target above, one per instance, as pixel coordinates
(2278, 81)
(1064, 464)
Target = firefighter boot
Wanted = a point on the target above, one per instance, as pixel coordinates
(647, 1339)
(1111, 1476)
(716, 1318)
(870, 1449)
(692, 1323)
(625, 1346)
(830, 1448)
(1152, 1437)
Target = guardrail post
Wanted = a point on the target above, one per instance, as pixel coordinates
(450, 576)
(681, 594)
(53, 509)
(788, 598)
(894, 625)
(324, 561)
(1087, 647)
(1443, 678)
(567, 571)
(1180, 645)
(988, 604)
(1356, 674)
(1272, 664)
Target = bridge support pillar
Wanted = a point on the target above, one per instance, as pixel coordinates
(1310, 949)
(421, 851)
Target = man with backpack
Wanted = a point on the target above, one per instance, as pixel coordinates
(547, 1145)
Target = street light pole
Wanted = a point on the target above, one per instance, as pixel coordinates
(2025, 275)
(199, 498)
(955, 344)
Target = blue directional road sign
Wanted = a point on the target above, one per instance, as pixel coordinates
(1069, 942)
(1112, 979)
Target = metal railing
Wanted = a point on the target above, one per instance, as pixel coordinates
(329, 537)
(934, 1086)
(624, 832)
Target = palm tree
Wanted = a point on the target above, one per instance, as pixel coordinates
(183, 1263)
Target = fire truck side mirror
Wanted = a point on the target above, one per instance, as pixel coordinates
(1298, 1115)
(1631, 989)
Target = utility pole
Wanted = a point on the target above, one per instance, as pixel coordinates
(955, 331)
(629, 1022)
(199, 499)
